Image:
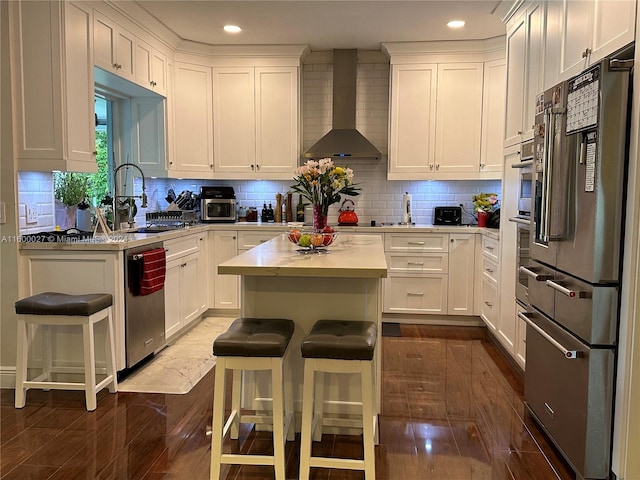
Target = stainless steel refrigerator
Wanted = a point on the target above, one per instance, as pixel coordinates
(579, 179)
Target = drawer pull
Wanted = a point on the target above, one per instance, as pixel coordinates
(489, 248)
(570, 354)
(488, 304)
(549, 410)
(415, 243)
(488, 270)
(565, 291)
(536, 276)
(415, 263)
(415, 294)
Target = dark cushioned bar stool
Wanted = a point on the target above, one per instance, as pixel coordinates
(338, 346)
(253, 344)
(51, 309)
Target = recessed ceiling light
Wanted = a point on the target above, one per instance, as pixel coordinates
(455, 24)
(232, 28)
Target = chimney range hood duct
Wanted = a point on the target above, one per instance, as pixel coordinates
(343, 140)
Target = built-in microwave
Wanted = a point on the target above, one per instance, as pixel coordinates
(525, 184)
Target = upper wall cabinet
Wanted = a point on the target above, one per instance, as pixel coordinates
(52, 74)
(438, 102)
(256, 121)
(114, 47)
(524, 73)
(150, 67)
(191, 153)
(589, 31)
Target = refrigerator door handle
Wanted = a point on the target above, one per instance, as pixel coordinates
(547, 153)
(569, 354)
(566, 291)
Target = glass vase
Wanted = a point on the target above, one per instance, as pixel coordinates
(319, 217)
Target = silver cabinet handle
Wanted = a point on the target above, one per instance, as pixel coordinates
(488, 304)
(489, 248)
(488, 270)
(570, 354)
(566, 291)
(536, 276)
(522, 164)
(415, 294)
(415, 243)
(415, 263)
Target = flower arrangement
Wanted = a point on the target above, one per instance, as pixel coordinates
(323, 184)
(485, 202)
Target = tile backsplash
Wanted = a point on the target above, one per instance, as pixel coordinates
(379, 199)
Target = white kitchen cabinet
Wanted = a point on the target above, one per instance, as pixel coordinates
(113, 47)
(192, 122)
(591, 30)
(52, 76)
(525, 35)
(412, 119)
(150, 67)
(422, 294)
(460, 299)
(521, 338)
(253, 238)
(226, 288)
(256, 121)
(186, 282)
(489, 309)
(148, 143)
(458, 118)
(493, 105)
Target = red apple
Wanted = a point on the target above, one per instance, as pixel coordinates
(327, 239)
(327, 229)
(294, 235)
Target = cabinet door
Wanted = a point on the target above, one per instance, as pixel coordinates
(125, 52)
(458, 117)
(577, 22)
(193, 119)
(516, 65)
(191, 298)
(276, 124)
(148, 135)
(173, 298)
(227, 287)
(489, 307)
(234, 119)
(493, 104)
(412, 120)
(461, 273)
(143, 54)
(53, 86)
(159, 75)
(533, 77)
(104, 35)
(613, 28)
(415, 294)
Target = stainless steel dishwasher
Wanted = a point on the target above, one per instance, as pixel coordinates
(144, 314)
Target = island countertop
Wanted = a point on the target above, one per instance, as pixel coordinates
(350, 256)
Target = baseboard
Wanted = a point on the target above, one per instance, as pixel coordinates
(445, 320)
(7, 377)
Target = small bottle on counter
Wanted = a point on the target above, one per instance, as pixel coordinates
(270, 215)
(288, 211)
(300, 210)
(264, 215)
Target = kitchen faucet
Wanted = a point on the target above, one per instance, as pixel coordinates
(116, 197)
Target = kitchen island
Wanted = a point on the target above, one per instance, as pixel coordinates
(278, 281)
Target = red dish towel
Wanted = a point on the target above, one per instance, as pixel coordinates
(154, 268)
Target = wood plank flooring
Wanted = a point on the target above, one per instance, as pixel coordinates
(452, 410)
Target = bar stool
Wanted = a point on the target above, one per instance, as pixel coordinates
(253, 344)
(51, 309)
(337, 346)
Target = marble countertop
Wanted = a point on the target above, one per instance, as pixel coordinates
(350, 256)
(124, 240)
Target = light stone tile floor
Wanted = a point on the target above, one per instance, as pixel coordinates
(178, 367)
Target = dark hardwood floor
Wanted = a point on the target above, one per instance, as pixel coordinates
(452, 410)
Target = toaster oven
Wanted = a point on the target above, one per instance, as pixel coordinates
(447, 216)
(217, 204)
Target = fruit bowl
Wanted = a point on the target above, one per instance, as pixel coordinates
(312, 240)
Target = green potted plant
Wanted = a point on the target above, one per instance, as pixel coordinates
(70, 190)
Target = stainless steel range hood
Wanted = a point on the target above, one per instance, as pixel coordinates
(343, 140)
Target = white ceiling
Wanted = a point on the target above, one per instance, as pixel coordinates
(324, 25)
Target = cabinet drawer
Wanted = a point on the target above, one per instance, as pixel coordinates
(247, 240)
(418, 263)
(489, 269)
(403, 242)
(489, 307)
(490, 247)
(415, 294)
(180, 247)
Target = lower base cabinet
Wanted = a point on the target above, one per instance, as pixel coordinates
(226, 288)
(416, 293)
(489, 308)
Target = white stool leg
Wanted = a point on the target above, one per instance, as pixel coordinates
(21, 364)
(318, 407)
(48, 338)
(217, 427)
(89, 365)
(110, 353)
(288, 399)
(307, 418)
(277, 388)
(236, 395)
(367, 420)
